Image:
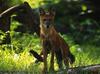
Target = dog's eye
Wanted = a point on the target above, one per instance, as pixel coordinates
(47, 19)
(44, 19)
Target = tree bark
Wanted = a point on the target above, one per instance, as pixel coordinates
(24, 15)
(5, 27)
(91, 69)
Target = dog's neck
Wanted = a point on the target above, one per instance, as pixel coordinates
(46, 33)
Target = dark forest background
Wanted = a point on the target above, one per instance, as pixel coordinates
(77, 21)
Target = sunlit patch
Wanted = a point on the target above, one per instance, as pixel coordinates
(82, 13)
(16, 56)
(7, 31)
(79, 49)
(89, 11)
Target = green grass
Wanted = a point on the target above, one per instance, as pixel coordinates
(16, 57)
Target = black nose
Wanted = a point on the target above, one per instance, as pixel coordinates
(47, 26)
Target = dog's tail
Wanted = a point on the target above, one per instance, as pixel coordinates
(36, 55)
(71, 58)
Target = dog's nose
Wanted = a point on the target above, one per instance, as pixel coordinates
(47, 24)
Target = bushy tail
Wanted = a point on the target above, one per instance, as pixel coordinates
(37, 56)
(71, 58)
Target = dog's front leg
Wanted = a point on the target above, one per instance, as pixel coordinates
(45, 61)
(52, 60)
(45, 58)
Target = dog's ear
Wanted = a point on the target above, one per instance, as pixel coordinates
(41, 11)
(52, 11)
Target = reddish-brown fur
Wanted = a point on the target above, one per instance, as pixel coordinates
(52, 42)
(50, 35)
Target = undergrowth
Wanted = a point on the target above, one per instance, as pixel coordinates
(16, 56)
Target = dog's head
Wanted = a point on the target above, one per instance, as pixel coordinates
(46, 18)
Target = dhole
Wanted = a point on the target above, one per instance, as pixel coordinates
(52, 42)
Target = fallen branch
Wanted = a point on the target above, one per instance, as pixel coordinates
(91, 69)
(12, 9)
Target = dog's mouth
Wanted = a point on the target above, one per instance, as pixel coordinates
(47, 26)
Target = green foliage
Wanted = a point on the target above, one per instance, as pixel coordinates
(84, 7)
(38, 3)
(14, 2)
(16, 57)
(3, 36)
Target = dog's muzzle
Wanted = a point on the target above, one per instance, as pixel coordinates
(47, 24)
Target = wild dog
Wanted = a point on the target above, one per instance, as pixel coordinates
(52, 42)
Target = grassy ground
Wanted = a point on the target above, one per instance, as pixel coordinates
(16, 57)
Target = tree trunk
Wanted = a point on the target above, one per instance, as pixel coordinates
(5, 27)
(24, 15)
